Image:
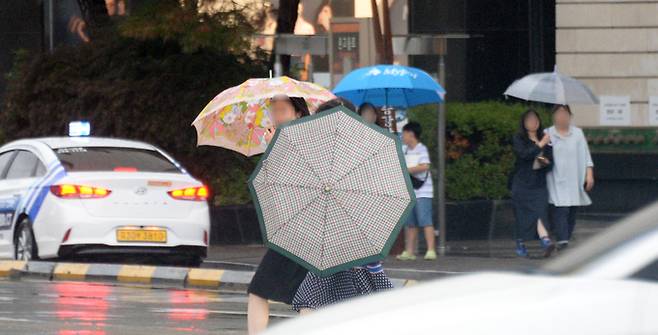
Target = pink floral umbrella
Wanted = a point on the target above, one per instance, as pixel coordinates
(236, 118)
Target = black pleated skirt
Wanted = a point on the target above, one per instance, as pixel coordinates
(277, 278)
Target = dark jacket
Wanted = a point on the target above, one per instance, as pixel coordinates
(526, 151)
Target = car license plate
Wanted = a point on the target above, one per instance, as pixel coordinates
(142, 235)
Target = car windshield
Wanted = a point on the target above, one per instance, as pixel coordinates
(79, 159)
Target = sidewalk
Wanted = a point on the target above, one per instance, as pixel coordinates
(461, 256)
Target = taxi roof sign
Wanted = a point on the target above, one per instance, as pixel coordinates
(79, 128)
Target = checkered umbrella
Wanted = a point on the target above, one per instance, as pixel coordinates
(332, 192)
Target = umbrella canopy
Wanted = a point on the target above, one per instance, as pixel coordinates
(332, 192)
(553, 88)
(390, 85)
(236, 118)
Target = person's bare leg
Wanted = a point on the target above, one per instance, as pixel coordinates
(411, 235)
(541, 229)
(546, 243)
(430, 238)
(305, 311)
(258, 314)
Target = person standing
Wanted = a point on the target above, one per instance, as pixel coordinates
(572, 175)
(534, 158)
(316, 292)
(418, 161)
(277, 277)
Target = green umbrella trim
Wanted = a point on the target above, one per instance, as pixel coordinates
(358, 262)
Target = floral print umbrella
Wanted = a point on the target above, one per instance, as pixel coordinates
(236, 118)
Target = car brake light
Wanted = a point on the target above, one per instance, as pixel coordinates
(69, 191)
(190, 193)
(66, 235)
(125, 169)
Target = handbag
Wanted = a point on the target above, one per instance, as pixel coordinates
(539, 162)
(417, 182)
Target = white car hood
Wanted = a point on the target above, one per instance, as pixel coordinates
(493, 303)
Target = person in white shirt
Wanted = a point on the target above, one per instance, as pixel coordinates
(572, 175)
(418, 162)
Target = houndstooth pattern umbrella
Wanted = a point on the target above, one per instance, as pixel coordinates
(332, 192)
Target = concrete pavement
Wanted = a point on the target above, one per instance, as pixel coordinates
(461, 256)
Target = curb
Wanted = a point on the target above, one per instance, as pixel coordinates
(157, 276)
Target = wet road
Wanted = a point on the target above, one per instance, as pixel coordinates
(78, 308)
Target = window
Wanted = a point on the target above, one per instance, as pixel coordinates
(114, 159)
(649, 272)
(5, 158)
(40, 170)
(23, 165)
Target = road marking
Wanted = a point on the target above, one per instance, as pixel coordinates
(136, 274)
(211, 311)
(7, 266)
(425, 271)
(15, 320)
(70, 271)
(253, 266)
(204, 277)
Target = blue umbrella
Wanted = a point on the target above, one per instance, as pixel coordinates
(390, 85)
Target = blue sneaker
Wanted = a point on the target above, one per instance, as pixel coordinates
(521, 250)
(547, 245)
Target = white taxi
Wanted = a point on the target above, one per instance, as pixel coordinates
(81, 196)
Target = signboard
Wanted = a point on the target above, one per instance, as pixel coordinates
(345, 48)
(615, 110)
(653, 111)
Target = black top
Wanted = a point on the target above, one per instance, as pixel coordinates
(526, 151)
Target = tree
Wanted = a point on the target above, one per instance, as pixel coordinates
(383, 42)
(285, 24)
(146, 79)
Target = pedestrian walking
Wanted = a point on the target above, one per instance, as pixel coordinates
(418, 162)
(316, 292)
(534, 158)
(572, 175)
(277, 277)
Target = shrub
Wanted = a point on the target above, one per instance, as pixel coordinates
(478, 146)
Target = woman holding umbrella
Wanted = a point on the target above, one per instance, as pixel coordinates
(534, 158)
(316, 291)
(277, 277)
(572, 175)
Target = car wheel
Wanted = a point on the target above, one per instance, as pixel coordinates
(25, 246)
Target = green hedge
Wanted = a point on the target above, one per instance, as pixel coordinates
(478, 147)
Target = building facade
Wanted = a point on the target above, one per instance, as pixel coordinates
(613, 47)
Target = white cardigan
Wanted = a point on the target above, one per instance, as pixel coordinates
(571, 158)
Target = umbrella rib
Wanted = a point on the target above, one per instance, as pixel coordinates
(324, 234)
(374, 194)
(294, 148)
(301, 187)
(270, 237)
(365, 236)
(360, 164)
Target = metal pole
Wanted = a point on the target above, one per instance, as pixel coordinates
(278, 68)
(441, 144)
(51, 40)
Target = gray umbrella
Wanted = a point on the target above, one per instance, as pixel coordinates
(551, 87)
